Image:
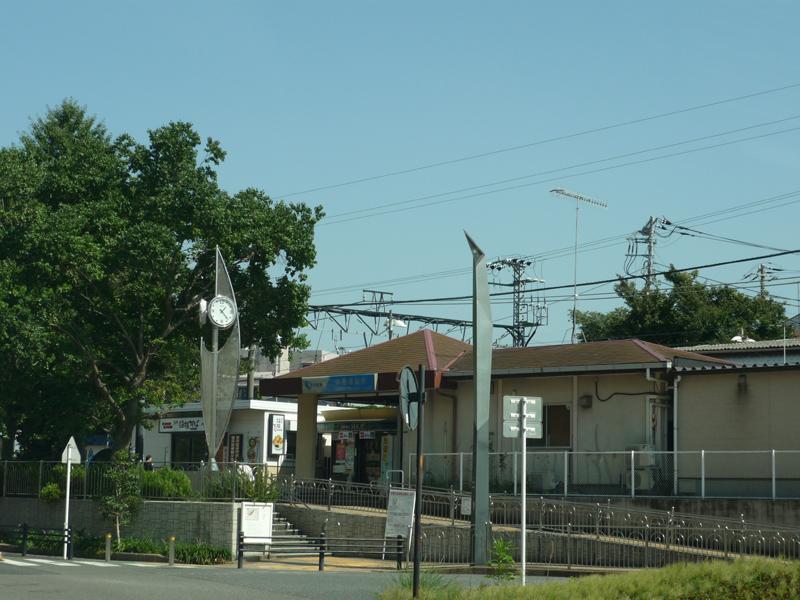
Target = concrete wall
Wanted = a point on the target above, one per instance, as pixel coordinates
(713, 414)
(211, 522)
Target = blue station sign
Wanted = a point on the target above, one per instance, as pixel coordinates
(341, 384)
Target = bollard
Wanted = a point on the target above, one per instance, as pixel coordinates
(171, 540)
(108, 547)
(322, 551)
(25, 530)
(240, 550)
(399, 552)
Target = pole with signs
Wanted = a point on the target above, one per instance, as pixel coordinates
(522, 418)
(69, 455)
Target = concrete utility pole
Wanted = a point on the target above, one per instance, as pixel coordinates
(762, 280)
(521, 323)
(649, 231)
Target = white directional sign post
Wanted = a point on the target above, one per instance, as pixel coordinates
(68, 456)
(522, 419)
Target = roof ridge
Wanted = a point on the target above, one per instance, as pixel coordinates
(646, 347)
(429, 351)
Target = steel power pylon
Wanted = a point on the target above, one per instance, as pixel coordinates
(528, 314)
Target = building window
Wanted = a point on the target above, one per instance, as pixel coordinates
(189, 447)
(291, 443)
(235, 447)
(556, 424)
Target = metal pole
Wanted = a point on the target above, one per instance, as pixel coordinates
(171, 540)
(702, 473)
(321, 564)
(633, 473)
(66, 507)
(523, 481)
(566, 472)
(460, 471)
(420, 474)
(108, 547)
(212, 424)
(5, 476)
(773, 475)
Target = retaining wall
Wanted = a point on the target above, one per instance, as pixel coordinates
(214, 523)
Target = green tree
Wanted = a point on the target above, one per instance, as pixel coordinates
(684, 313)
(122, 497)
(106, 248)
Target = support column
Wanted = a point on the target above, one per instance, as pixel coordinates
(306, 458)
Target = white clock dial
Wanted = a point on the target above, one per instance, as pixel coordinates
(222, 312)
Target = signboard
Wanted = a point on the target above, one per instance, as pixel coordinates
(334, 426)
(399, 513)
(277, 435)
(181, 424)
(70, 453)
(366, 435)
(533, 429)
(466, 506)
(340, 384)
(257, 520)
(387, 447)
(511, 407)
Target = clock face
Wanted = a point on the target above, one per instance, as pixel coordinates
(222, 312)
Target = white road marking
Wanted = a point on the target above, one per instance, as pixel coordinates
(52, 562)
(94, 563)
(17, 563)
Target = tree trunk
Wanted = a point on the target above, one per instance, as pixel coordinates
(251, 372)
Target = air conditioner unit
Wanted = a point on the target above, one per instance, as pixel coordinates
(643, 479)
(645, 455)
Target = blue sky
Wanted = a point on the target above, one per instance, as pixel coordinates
(306, 95)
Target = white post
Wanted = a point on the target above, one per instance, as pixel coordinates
(566, 471)
(702, 473)
(633, 473)
(460, 471)
(66, 509)
(514, 455)
(522, 412)
(773, 474)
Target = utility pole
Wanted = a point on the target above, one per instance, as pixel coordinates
(521, 323)
(649, 231)
(591, 202)
(762, 280)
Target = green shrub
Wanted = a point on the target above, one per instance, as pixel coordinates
(502, 562)
(201, 554)
(142, 546)
(224, 484)
(165, 483)
(51, 493)
(750, 579)
(58, 477)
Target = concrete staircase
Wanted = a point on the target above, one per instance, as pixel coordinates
(287, 540)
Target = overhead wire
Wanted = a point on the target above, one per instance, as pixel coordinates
(558, 138)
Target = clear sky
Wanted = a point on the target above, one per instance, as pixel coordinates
(306, 95)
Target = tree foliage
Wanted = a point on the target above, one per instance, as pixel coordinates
(684, 313)
(106, 248)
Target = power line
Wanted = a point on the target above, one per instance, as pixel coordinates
(543, 141)
(396, 207)
(590, 283)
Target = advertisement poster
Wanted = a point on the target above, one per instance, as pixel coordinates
(277, 435)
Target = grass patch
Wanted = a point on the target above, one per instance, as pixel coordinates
(750, 579)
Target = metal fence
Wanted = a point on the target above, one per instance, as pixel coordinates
(573, 534)
(772, 474)
(176, 481)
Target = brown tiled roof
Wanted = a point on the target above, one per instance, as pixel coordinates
(424, 347)
(612, 352)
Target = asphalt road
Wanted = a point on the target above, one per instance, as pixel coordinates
(35, 577)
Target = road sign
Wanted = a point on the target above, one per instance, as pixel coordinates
(511, 407)
(533, 429)
(409, 407)
(71, 453)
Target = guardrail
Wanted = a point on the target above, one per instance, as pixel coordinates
(321, 546)
(24, 537)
